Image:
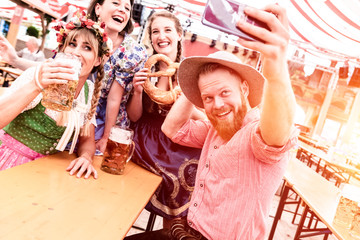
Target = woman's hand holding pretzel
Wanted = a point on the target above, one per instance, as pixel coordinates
(139, 79)
(158, 95)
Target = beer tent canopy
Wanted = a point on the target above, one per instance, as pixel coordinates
(40, 7)
(323, 27)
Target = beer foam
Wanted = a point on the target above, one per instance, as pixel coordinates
(351, 192)
(73, 60)
(120, 135)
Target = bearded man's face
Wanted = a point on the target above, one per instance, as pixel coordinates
(224, 101)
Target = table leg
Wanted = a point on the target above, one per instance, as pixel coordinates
(301, 223)
(279, 211)
(349, 176)
(318, 165)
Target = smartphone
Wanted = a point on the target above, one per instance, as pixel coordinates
(224, 15)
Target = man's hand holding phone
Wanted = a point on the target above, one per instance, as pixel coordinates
(224, 15)
(274, 41)
(264, 30)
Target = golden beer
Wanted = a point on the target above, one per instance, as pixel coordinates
(355, 225)
(345, 212)
(119, 150)
(60, 97)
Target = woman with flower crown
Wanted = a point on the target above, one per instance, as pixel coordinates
(29, 130)
(127, 58)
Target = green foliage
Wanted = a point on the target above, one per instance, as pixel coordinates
(32, 31)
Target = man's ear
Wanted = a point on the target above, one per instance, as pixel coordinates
(244, 87)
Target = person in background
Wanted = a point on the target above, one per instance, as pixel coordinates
(245, 141)
(153, 150)
(128, 58)
(29, 130)
(32, 51)
(9, 55)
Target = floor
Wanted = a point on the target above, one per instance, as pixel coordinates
(284, 231)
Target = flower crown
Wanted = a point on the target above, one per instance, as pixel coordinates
(81, 20)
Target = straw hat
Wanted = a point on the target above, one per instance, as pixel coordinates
(189, 76)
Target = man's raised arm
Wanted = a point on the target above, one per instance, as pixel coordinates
(278, 102)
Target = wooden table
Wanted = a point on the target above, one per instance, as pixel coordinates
(40, 200)
(326, 162)
(312, 142)
(9, 70)
(320, 197)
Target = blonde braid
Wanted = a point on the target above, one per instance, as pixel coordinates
(178, 58)
(179, 52)
(94, 100)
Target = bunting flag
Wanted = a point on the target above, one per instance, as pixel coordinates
(55, 6)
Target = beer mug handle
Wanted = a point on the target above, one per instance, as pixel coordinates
(131, 151)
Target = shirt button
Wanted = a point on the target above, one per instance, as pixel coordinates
(190, 223)
(195, 204)
(215, 147)
(55, 144)
(47, 152)
(51, 148)
(207, 165)
(201, 185)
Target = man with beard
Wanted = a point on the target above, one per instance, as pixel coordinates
(245, 141)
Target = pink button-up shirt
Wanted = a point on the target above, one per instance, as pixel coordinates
(235, 181)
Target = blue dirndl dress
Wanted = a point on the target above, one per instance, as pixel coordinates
(175, 163)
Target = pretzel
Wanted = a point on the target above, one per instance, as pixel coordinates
(158, 95)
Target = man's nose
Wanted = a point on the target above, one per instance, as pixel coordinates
(218, 102)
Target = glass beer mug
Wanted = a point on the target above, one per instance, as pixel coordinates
(355, 224)
(119, 150)
(59, 97)
(348, 206)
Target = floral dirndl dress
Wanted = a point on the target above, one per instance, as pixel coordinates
(121, 67)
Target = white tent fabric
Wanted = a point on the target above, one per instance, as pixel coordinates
(331, 24)
(330, 27)
(7, 9)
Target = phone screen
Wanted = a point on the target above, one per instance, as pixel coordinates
(224, 15)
